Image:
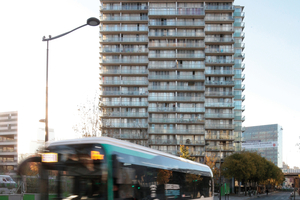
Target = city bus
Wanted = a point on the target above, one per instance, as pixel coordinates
(106, 168)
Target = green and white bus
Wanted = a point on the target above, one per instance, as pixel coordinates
(105, 168)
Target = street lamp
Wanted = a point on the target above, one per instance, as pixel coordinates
(91, 22)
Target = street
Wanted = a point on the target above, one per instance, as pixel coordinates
(272, 196)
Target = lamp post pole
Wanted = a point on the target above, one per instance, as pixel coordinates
(220, 172)
(92, 22)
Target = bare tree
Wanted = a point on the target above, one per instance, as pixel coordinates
(88, 124)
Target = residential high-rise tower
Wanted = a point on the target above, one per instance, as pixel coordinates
(171, 74)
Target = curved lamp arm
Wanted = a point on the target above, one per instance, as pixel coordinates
(52, 38)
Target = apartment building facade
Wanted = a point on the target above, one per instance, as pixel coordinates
(171, 74)
(8, 142)
(266, 140)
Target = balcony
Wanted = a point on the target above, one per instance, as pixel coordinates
(175, 109)
(239, 66)
(119, 7)
(176, 45)
(217, 94)
(176, 142)
(118, 93)
(239, 118)
(124, 125)
(176, 98)
(125, 103)
(121, 18)
(8, 162)
(181, 11)
(126, 136)
(239, 45)
(219, 83)
(123, 71)
(190, 55)
(123, 82)
(174, 66)
(118, 61)
(219, 29)
(219, 72)
(239, 86)
(123, 29)
(219, 137)
(176, 77)
(124, 39)
(197, 153)
(125, 50)
(174, 88)
(219, 51)
(8, 142)
(218, 61)
(218, 8)
(219, 126)
(176, 120)
(218, 115)
(239, 107)
(219, 105)
(162, 55)
(176, 131)
(176, 34)
(125, 114)
(219, 40)
(239, 128)
(239, 76)
(218, 148)
(239, 34)
(175, 23)
(239, 97)
(8, 153)
(239, 55)
(162, 142)
(239, 24)
(238, 14)
(172, 152)
(219, 19)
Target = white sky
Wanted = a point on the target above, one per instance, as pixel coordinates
(272, 72)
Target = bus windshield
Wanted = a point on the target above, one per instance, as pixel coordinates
(76, 171)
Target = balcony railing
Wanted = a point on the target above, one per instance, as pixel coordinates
(126, 136)
(162, 55)
(123, 71)
(238, 14)
(125, 114)
(239, 66)
(124, 60)
(175, 23)
(217, 72)
(176, 34)
(188, 55)
(219, 51)
(7, 141)
(124, 39)
(217, 148)
(239, 117)
(219, 126)
(239, 45)
(134, 93)
(179, 66)
(174, 87)
(212, 93)
(119, 7)
(239, 96)
(175, 98)
(238, 34)
(124, 125)
(218, 61)
(175, 109)
(177, 142)
(123, 82)
(218, 39)
(219, 137)
(219, 83)
(239, 24)
(239, 86)
(220, 105)
(176, 77)
(176, 131)
(219, 18)
(124, 103)
(239, 128)
(120, 18)
(219, 29)
(239, 76)
(239, 55)
(112, 29)
(220, 7)
(125, 50)
(196, 45)
(175, 120)
(239, 107)
(180, 11)
(219, 115)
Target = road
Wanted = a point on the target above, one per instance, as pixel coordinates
(272, 196)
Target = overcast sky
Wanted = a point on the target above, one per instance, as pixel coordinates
(272, 72)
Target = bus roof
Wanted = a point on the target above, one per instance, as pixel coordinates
(127, 145)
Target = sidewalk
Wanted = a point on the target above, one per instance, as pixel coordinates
(243, 197)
